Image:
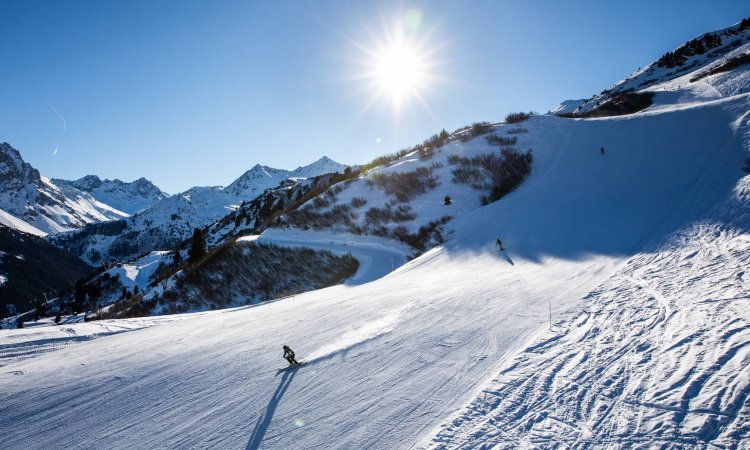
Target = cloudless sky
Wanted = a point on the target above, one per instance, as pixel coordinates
(192, 93)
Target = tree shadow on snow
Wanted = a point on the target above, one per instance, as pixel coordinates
(265, 420)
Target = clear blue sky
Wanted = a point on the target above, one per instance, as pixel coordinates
(196, 92)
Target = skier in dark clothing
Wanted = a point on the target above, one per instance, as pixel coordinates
(289, 356)
(499, 244)
(602, 151)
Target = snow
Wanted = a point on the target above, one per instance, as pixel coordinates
(34, 199)
(13, 222)
(173, 219)
(568, 106)
(638, 256)
(657, 353)
(389, 360)
(38, 338)
(377, 257)
(139, 271)
(127, 197)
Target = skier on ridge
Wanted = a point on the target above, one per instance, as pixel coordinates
(499, 244)
(289, 356)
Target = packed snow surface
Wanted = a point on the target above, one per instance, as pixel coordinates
(388, 361)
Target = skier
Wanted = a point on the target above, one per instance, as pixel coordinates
(499, 244)
(602, 151)
(289, 356)
(447, 200)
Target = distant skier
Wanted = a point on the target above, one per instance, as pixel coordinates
(447, 200)
(289, 356)
(499, 244)
(602, 149)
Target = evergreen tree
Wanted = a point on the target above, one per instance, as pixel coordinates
(197, 247)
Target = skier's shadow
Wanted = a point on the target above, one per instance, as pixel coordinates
(265, 420)
(504, 253)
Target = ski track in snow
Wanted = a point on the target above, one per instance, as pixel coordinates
(681, 312)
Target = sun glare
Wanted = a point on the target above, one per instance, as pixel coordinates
(399, 72)
(398, 63)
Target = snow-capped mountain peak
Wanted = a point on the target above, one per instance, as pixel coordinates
(127, 197)
(321, 166)
(42, 203)
(173, 219)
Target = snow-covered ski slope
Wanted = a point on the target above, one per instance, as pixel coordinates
(656, 356)
(388, 362)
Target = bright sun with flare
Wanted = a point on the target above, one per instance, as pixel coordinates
(398, 66)
(399, 72)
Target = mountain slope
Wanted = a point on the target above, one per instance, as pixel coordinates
(644, 277)
(36, 200)
(685, 65)
(407, 350)
(29, 267)
(171, 220)
(11, 221)
(655, 355)
(127, 197)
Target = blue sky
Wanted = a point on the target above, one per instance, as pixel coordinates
(192, 93)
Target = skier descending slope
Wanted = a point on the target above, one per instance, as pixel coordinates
(289, 356)
(499, 244)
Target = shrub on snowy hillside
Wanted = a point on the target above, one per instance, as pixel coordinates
(726, 66)
(383, 216)
(239, 273)
(426, 237)
(697, 46)
(405, 185)
(518, 130)
(309, 216)
(626, 102)
(517, 117)
(501, 141)
(475, 129)
(500, 174)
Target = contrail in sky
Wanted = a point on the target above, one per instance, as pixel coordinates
(57, 147)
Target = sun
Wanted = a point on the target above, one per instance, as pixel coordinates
(398, 64)
(399, 72)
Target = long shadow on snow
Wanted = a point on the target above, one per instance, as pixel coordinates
(265, 420)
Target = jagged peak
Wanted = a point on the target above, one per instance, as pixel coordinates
(13, 168)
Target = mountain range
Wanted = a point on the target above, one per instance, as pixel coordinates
(568, 280)
(129, 198)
